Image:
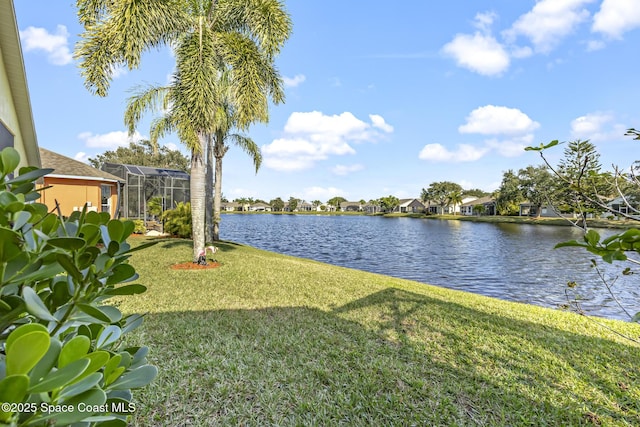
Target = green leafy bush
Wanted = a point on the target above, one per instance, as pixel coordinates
(62, 357)
(177, 222)
(139, 227)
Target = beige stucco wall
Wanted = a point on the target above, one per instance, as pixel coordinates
(72, 194)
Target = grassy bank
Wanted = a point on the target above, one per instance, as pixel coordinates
(268, 339)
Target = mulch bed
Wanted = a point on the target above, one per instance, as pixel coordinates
(190, 265)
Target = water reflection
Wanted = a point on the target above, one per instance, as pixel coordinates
(510, 261)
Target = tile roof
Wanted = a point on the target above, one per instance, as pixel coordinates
(62, 165)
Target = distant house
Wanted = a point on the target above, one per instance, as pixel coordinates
(17, 128)
(451, 209)
(350, 206)
(260, 207)
(230, 206)
(371, 208)
(74, 184)
(627, 205)
(410, 206)
(305, 207)
(488, 207)
(545, 211)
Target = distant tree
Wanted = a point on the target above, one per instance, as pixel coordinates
(478, 209)
(537, 185)
(142, 153)
(277, 204)
(509, 195)
(440, 193)
(389, 203)
(243, 201)
(293, 204)
(316, 203)
(587, 185)
(335, 201)
(476, 192)
(455, 199)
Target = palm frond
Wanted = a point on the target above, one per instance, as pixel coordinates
(150, 98)
(248, 146)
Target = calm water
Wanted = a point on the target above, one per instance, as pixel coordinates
(509, 261)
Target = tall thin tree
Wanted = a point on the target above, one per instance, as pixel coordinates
(241, 37)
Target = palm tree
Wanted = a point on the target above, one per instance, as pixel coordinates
(209, 37)
(226, 119)
(455, 198)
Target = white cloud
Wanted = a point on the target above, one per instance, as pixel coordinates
(479, 53)
(484, 21)
(549, 22)
(439, 153)
(81, 156)
(497, 120)
(313, 136)
(55, 45)
(616, 17)
(512, 147)
(294, 81)
(346, 169)
(109, 140)
(598, 126)
(378, 122)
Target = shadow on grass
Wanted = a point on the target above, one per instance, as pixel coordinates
(175, 242)
(391, 358)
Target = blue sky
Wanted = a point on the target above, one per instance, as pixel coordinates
(384, 100)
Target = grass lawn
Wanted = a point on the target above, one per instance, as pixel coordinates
(268, 339)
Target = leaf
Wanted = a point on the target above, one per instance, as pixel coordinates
(26, 351)
(67, 243)
(80, 386)
(97, 360)
(112, 312)
(137, 378)
(10, 159)
(23, 330)
(35, 305)
(94, 312)
(47, 362)
(121, 273)
(60, 378)
(20, 219)
(108, 336)
(31, 175)
(74, 349)
(116, 230)
(13, 388)
(69, 266)
(592, 238)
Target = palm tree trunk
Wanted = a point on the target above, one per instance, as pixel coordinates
(219, 152)
(209, 194)
(197, 188)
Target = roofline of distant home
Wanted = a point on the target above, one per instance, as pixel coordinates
(86, 178)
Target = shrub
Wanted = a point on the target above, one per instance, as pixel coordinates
(177, 222)
(139, 227)
(62, 357)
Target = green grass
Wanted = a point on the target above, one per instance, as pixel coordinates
(268, 339)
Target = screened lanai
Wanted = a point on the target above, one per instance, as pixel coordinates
(144, 183)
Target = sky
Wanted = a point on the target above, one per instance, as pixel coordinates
(382, 100)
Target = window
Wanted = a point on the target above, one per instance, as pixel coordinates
(6, 137)
(105, 197)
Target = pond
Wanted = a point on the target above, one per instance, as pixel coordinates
(513, 262)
